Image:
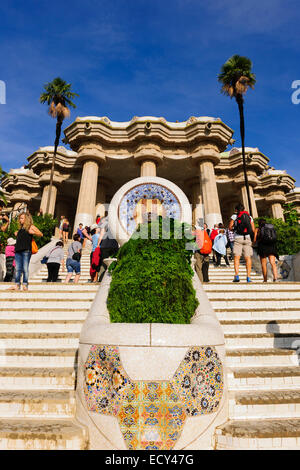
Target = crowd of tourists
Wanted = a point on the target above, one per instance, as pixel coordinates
(103, 245)
(239, 238)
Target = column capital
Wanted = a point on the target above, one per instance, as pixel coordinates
(276, 198)
(239, 180)
(88, 152)
(148, 154)
(206, 154)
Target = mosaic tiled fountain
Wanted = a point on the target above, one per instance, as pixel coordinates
(150, 386)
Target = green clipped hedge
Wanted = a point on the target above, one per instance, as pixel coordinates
(152, 279)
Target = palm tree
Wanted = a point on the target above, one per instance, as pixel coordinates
(236, 77)
(3, 174)
(58, 96)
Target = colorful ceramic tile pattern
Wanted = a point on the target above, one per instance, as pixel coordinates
(151, 415)
(153, 191)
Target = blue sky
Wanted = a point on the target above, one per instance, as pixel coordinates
(141, 57)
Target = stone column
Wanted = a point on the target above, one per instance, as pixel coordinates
(148, 168)
(212, 212)
(85, 212)
(197, 202)
(245, 200)
(277, 211)
(43, 206)
(100, 200)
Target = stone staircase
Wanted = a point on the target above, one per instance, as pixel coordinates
(39, 334)
(261, 324)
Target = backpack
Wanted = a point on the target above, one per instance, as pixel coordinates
(268, 233)
(204, 242)
(242, 224)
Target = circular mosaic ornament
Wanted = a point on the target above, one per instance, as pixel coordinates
(144, 199)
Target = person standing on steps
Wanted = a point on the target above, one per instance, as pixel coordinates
(66, 228)
(95, 253)
(265, 236)
(213, 235)
(202, 254)
(219, 247)
(24, 249)
(242, 225)
(230, 241)
(108, 245)
(10, 259)
(61, 223)
(73, 259)
(55, 259)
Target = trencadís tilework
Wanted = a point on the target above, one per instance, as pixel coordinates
(151, 415)
(144, 198)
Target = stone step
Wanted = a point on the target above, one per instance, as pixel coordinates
(27, 303)
(38, 315)
(261, 326)
(263, 340)
(255, 294)
(264, 404)
(255, 303)
(44, 357)
(258, 434)
(264, 378)
(236, 287)
(47, 404)
(38, 340)
(260, 357)
(55, 287)
(46, 296)
(221, 281)
(37, 378)
(258, 315)
(29, 326)
(34, 434)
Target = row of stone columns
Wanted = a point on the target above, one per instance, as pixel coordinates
(205, 199)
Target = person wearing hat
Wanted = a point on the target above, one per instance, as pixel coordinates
(10, 259)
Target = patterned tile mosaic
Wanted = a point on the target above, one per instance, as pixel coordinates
(151, 415)
(160, 195)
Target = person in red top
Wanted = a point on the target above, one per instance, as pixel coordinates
(202, 254)
(213, 234)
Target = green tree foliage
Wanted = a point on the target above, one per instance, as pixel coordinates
(2, 195)
(288, 231)
(152, 279)
(46, 224)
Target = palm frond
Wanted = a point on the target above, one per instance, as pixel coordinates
(58, 95)
(236, 76)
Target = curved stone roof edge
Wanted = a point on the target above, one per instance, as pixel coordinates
(136, 119)
(60, 149)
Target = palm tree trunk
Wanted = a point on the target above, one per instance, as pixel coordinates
(58, 133)
(240, 102)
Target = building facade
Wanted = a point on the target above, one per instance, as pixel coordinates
(192, 154)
